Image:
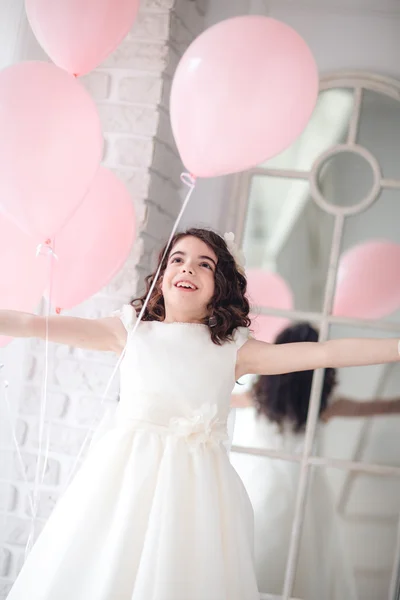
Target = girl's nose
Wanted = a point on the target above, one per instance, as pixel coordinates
(188, 269)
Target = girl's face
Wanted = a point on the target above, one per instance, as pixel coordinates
(188, 281)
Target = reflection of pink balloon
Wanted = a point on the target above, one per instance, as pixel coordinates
(50, 146)
(368, 283)
(79, 34)
(95, 243)
(243, 91)
(22, 275)
(269, 290)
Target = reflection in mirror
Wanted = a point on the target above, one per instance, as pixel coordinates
(345, 179)
(378, 222)
(367, 428)
(341, 557)
(271, 485)
(271, 415)
(379, 130)
(359, 420)
(344, 554)
(287, 233)
(327, 127)
(284, 231)
(350, 520)
(272, 409)
(359, 546)
(359, 407)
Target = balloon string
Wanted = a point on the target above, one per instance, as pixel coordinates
(5, 386)
(190, 181)
(40, 471)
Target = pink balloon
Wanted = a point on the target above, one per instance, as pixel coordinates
(95, 243)
(79, 34)
(243, 92)
(269, 290)
(50, 146)
(23, 275)
(368, 282)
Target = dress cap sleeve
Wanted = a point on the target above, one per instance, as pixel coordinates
(127, 314)
(241, 336)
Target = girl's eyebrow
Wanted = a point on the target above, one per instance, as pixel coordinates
(204, 256)
(208, 258)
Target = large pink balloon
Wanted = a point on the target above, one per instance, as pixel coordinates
(50, 146)
(79, 34)
(368, 282)
(95, 243)
(269, 290)
(23, 276)
(243, 91)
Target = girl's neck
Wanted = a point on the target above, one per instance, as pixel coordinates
(181, 317)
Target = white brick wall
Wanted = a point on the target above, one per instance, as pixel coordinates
(131, 89)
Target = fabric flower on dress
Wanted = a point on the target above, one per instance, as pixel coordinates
(201, 427)
(235, 251)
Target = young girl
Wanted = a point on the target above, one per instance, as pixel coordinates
(157, 512)
(273, 417)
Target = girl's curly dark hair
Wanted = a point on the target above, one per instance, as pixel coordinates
(228, 305)
(286, 397)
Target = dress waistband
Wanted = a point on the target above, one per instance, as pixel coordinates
(201, 427)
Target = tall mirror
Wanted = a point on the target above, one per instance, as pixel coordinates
(337, 188)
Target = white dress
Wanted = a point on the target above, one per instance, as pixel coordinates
(323, 571)
(156, 512)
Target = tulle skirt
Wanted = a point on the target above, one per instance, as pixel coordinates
(147, 517)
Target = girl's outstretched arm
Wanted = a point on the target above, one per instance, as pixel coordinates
(259, 358)
(106, 334)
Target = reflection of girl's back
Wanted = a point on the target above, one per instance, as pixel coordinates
(273, 416)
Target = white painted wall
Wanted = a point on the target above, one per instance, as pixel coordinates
(346, 35)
